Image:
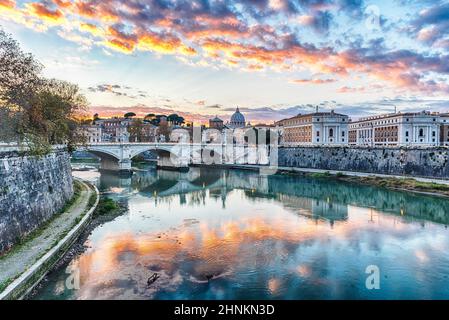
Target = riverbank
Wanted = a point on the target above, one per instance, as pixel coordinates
(439, 187)
(25, 265)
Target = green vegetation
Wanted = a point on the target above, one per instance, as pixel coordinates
(34, 111)
(319, 175)
(392, 183)
(5, 284)
(106, 206)
(78, 187)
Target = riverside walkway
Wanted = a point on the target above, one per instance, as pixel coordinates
(31, 255)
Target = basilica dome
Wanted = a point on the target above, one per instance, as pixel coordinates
(238, 119)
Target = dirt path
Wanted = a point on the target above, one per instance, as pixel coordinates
(18, 261)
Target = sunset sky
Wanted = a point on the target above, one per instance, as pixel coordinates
(273, 58)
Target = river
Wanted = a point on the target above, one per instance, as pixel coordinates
(218, 234)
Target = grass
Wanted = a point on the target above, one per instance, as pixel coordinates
(5, 284)
(320, 175)
(78, 187)
(106, 206)
(392, 183)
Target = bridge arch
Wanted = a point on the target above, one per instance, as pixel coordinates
(102, 153)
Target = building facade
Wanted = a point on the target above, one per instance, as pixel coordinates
(216, 123)
(319, 128)
(92, 133)
(397, 129)
(444, 129)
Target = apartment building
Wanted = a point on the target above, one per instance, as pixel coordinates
(444, 129)
(92, 134)
(319, 128)
(397, 129)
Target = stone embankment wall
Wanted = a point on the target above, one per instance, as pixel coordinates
(422, 162)
(32, 190)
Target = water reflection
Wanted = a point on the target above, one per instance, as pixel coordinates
(260, 237)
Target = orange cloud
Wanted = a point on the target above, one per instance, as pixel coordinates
(228, 39)
(91, 28)
(7, 4)
(41, 11)
(86, 9)
(63, 4)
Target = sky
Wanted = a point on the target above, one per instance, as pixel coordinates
(272, 58)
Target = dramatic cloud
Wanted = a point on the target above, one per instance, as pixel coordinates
(118, 90)
(255, 36)
(432, 24)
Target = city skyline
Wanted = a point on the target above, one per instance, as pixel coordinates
(273, 59)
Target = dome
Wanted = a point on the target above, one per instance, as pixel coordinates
(216, 119)
(237, 119)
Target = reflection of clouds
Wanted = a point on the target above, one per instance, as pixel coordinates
(227, 250)
(116, 190)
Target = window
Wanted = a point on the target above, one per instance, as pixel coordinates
(421, 133)
(317, 133)
(318, 140)
(406, 133)
(331, 133)
(434, 134)
(342, 133)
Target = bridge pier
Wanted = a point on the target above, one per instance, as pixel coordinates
(166, 162)
(120, 166)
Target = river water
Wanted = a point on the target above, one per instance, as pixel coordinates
(218, 234)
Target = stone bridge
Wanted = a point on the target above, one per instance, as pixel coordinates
(118, 156)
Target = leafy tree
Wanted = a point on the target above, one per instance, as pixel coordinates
(164, 130)
(19, 74)
(136, 130)
(39, 112)
(130, 115)
(150, 117)
(175, 119)
(52, 117)
(157, 120)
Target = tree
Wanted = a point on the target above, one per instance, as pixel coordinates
(19, 75)
(149, 117)
(130, 115)
(164, 130)
(175, 119)
(157, 120)
(136, 130)
(52, 117)
(39, 112)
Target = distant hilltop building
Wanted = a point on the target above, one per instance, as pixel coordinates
(237, 120)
